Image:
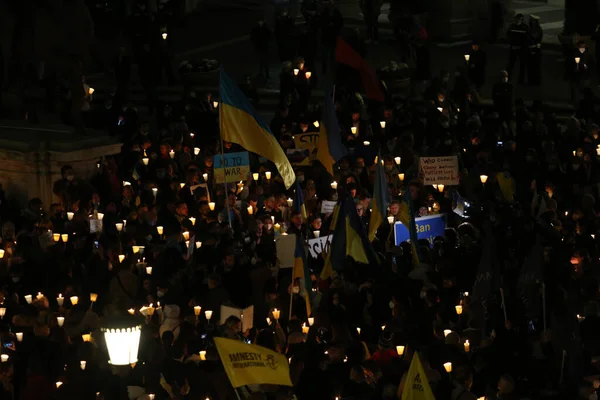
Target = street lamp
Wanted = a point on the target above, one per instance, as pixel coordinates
(122, 337)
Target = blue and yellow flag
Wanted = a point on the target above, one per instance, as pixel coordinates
(406, 215)
(301, 271)
(329, 145)
(416, 386)
(381, 201)
(240, 124)
(299, 206)
(349, 239)
(248, 364)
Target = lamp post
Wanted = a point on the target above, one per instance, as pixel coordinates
(122, 337)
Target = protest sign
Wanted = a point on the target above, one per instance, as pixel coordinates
(245, 315)
(95, 225)
(439, 170)
(248, 364)
(317, 245)
(427, 228)
(305, 149)
(201, 185)
(231, 167)
(327, 206)
(285, 246)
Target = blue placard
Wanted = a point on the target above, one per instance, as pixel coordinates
(427, 228)
(229, 160)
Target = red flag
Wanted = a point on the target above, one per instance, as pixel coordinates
(345, 54)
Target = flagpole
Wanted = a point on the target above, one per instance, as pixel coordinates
(223, 162)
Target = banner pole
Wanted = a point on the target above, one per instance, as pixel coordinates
(223, 165)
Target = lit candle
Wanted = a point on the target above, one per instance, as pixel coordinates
(28, 298)
(577, 59)
(164, 36)
(93, 297)
(211, 205)
(305, 329)
(131, 311)
(366, 143)
(311, 321)
(149, 270)
(1, 253)
(296, 71)
(277, 227)
(334, 185)
(2, 312)
(272, 219)
(119, 226)
(159, 230)
(401, 177)
(276, 313)
(205, 177)
(91, 91)
(390, 219)
(70, 215)
(198, 245)
(353, 130)
(268, 175)
(196, 151)
(290, 202)
(447, 332)
(39, 296)
(441, 188)
(154, 191)
(483, 178)
(60, 300)
(317, 233)
(467, 346)
(397, 160)
(208, 314)
(74, 300)
(60, 321)
(82, 365)
(121, 257)
(197, 310)
(400, 350)
(126, 183)
(172, 153)
(181, 185)
(65, 237)
(193, 221)
(358, 330)
(186, 235)
(4, 357)
(86, 337)
(466, 294)
(459, 309)
(135, 249)
(440, 109)
(100, 216)
(203, 355)
(19, 336)
(316, 124)
(215, 104)
(145, 160)
(308, 74)
(249, 210)
(448, 367)
(58, 384)
(383, 327)
(467, 57)
(255, 176)
(382, 124)
(268, 321)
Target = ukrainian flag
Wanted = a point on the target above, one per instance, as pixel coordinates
(240, 124)
(349, 239)
(301, 271)
(329, 145)
(406, 215)
(381, 200)
(299, 206)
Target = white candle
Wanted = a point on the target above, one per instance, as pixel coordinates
(255, 176)
(172, 153)
(70, 215)
(467, 346)
(459, 309)
(401, 177)
(74, 300)
(268, 175)
(4, 357)
(100, 216)
(65, 237)
(276, 313)
(334, 185)
(186, 235)
(296, 71)
(311, 321)
(467, 57)
(119, 226)
(400, 350)
(82, 365)
(135, 249)
(196, 151)
(164, 36)
(149, 270)
(290, 202)
(358, 330)
(193, 221)
(93, 297)
(447, 332)
(448, 367)
(382, 124)
(397, 160)
(19, 336)
(145, 160)
(198, 245)
(60, 321)
(441, 188)
(308, 74)
(58, 384)
(159, 230)
(197, 310)
(390, 219)
(154, 191)
(483, 178)
(28, 298)
(316, 124)
(366, 143)
(205, 177)
(203, 355)
(305, 329)
(208, 314)
(131, 311)
(317, 233)
(56, 237)
(250, 210)
(215, 104)
(353, 130)
(91, 91)
(121, 257)
(60, 300)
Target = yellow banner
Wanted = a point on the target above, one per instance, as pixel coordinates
(306, 148)
(247, 364)
(417, 386)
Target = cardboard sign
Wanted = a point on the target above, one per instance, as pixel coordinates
(439, 170)
(316, 246)
(327, 206)
(427, 228)
(95, 226)
(231, 167)
(305, 149)
(246, 315)
(286, 246)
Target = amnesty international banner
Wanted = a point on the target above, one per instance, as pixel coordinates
(417, 386)
(247, 364)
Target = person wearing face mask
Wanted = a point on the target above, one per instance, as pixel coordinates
(518, 34)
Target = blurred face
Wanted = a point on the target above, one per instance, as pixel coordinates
(229, 260)
(355, 117)
(394, 209)
(182, 210)
(304, 127)
(317, 223)
(360, 210)
(270, 202)
(475, 47)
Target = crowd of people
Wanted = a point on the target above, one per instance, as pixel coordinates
(507, 293)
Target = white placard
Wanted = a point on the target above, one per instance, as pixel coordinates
(327, 206)
(439, 170)
(246, 315)
(317, 245)
(286, 246)
(95, 225)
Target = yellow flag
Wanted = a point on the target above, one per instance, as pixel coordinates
(248, 364)
(506, 186)
(416, 386)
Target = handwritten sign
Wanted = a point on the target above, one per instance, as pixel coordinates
(285, 245)
(327, 206)
(232, 167)
(439, 170)
(317, 245)
(305, 149)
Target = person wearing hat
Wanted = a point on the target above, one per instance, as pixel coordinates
(476, 65)
(518, 35)
(534, 57)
